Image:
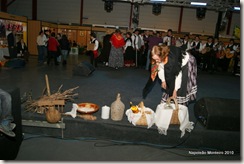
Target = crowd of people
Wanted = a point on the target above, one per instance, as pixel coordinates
(133, 49)
(211, 55)
(52, 47)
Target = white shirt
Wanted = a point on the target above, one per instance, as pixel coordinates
(234, 48)
(142, 41)
(96, 44)
(202, 45)
(188, 46)
(40, 40)
(135, 41)
(216, 46)
(45, 39)
(167, 39)
(127, 44)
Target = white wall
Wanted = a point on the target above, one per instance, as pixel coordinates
(68, 11)
(168, 19)
(94, 11)
(205, 26)
(61, 11)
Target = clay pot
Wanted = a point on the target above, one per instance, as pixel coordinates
(53, 115)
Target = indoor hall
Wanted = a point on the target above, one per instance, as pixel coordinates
(76, 139)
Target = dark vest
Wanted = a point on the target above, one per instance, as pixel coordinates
(172, 68)
(184, 45)
(230, 47)
(197, 46)
(209, 45)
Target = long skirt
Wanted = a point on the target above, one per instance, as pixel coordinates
(191, 90)
(116, 57)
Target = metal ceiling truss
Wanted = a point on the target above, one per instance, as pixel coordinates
(219, 5)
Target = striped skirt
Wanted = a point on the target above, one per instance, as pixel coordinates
(191, 90)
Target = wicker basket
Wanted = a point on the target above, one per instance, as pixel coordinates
(174, 119)
(143, 120)
(143, 117)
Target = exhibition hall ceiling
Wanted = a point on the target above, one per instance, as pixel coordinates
(210, 4)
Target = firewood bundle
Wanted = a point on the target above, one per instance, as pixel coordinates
(48, 100)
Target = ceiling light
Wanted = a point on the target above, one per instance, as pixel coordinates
(199, 3)
(236, 8)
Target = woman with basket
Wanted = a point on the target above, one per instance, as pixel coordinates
(177, 70)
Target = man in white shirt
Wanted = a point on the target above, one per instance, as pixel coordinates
(186, 44)
(196, 47)
(169, 38)
(41, 47)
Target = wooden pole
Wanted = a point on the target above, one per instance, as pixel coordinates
(180, 19)
(47, 84)
(81, 11)
(34, 9)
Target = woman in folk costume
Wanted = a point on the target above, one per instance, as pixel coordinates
(177, 70)
(129, 52)
(116, 58)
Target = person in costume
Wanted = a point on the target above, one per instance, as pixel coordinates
(105, 51)
(129, 52)
(177, 71)
(229, 50)
(169, 39)
(93, 54)
(116, 57)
